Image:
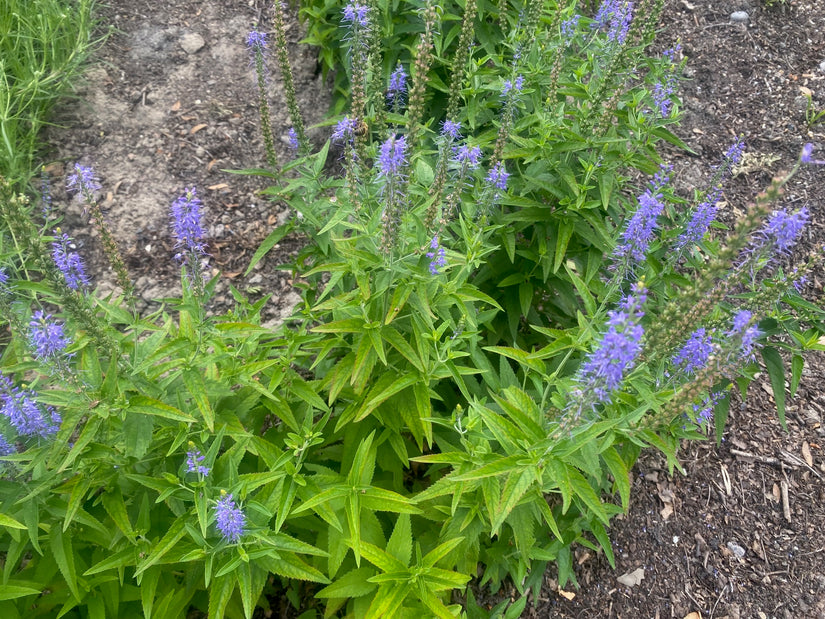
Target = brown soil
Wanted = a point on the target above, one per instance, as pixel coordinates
(742, 532)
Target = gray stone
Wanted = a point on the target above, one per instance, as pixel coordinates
(736, 549)
(822, 66)
(192, 42)
(739, 17)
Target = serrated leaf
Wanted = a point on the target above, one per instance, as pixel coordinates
(585, 492)
(116, 508)
(196, 387)
(8, 521)
(12, 591)
(63, 553)
(400, 544)
(621, 475)
(165, 544)
(353, 584)
(219, 594)
(150, 406)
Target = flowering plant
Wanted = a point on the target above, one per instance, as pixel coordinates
(491, 328)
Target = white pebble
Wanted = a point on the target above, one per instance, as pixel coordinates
(739, 17)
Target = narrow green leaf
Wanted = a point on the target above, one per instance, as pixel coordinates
(8, 521)
(149, 406)
(776, 372)
(565, 231)
(585, 492)
(621, 475)
(165, 544)
(196, 387)
(353, 584)
(116, 508)
(400, 544)
(12, 591)
(268, 243)
(219, 594)
(61, 547)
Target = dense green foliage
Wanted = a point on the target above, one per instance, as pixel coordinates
(476, 362)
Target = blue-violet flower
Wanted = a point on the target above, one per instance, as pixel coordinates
(47, 337)
(229, 518)
(68, 261)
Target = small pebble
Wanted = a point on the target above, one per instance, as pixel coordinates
(736, 549)
(739, 17)
(191, 42)
(822, 66)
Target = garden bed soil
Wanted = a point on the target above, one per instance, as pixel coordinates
(739, 534)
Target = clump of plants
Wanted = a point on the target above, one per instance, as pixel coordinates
(495, 319)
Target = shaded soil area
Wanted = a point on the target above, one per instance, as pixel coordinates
(742, 532)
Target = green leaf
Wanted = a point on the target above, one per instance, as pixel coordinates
(137, 432)
(165, 544)
(63, 553)
(353, 584)
(120, 559)
(8, 521)
(196, 387)
(387, 385)
(149, 406)
(400, 544)
(524, 358)
(776, 372)
(585, 492)
(621, 475)
(219, 594)
(565, 231)
(290, 566)
(12, 592)
(797, 363)
(268, 243)
(583, 290)
(116, 508)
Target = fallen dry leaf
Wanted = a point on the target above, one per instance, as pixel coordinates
(175, 106)
(693, 615)
(197, 128)
(218, 186)
(631, 579)
(567, 595)
(667, 511)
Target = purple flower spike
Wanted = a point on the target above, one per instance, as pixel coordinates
(700, 220)
(256, 42)
(344, 130)
(695, 353)
(783, 229)
(397, 87)
(187, 225)
(6, 449)
(746, 333)
(605, 368)
(807, 152)
(47, 337)
(193, 462)
(497, 177)
(569, 27)
(83, 181)
(69, 262)
(734, 154)
(466, 156)
(438, 256)
(229, 518)
(620, 22)
(292, 135)
(27, 417)
(451, 129)
(357, 14)
(393, 157)
(515, 86)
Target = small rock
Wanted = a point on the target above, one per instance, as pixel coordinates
(739, 17)
(822, 66)
(192, 42)
(736, 549)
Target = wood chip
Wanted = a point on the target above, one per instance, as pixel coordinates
(567, 595)
(694, 615)
(631, 579)
(217, 187)
(726, 480)
(806, 453)
(786, 505)
(197, 128)
(175, 106)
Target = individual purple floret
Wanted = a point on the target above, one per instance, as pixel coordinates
(438, 256)
(4, 280)
(782, 230)
(69, 262)
(357, 14)
(229, 518)
(807, 152)
(700, 220)
(745, 333)
(467, 157)
(605, 368)
(695, 353)
(497, 177)
(47, 337)
(451, 129)
(397, 87)
(187, 225)
(393, 158)
(344, 130)
(83, 181)
(193, 462)
(27, 417)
